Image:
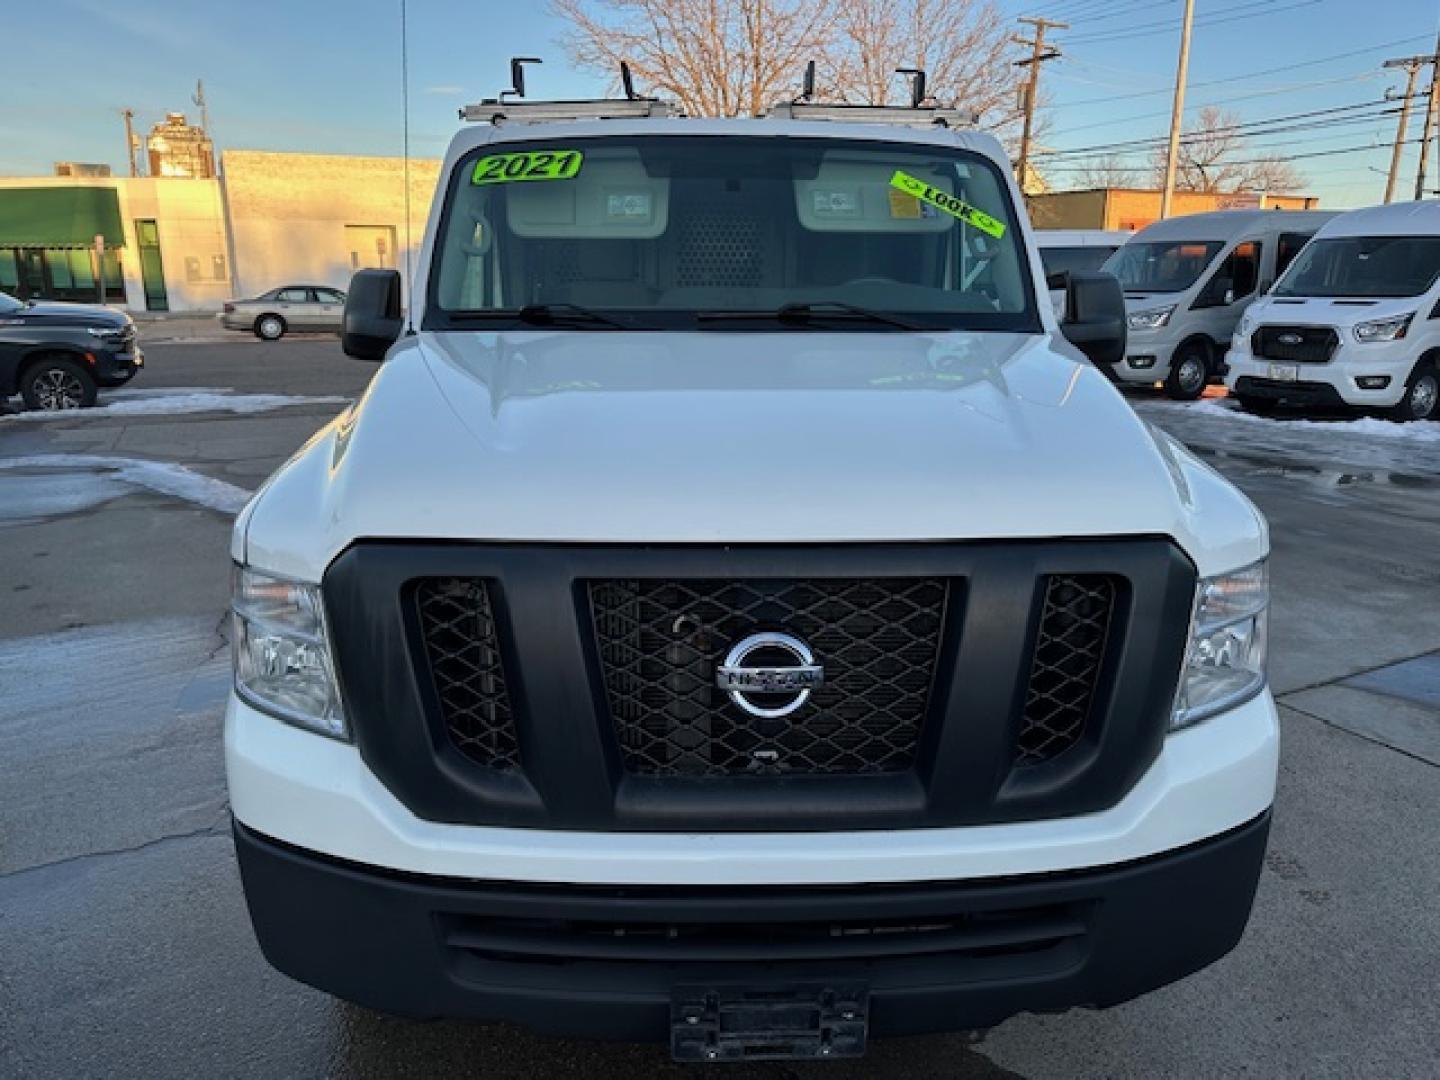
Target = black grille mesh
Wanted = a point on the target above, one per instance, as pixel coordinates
(463, 652)
(660, 642)
(1316, 345)
(1065, 670)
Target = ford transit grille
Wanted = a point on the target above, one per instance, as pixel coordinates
(462, 651)
(1066, 664)
(660, 643)
(1295, 344)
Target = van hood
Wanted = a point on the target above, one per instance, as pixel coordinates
(736, 437)
(1339, 312)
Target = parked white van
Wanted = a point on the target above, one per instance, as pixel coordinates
(1355, 321)
(1066, 250)
(1187, 280)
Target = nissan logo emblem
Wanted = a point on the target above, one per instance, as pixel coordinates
(769, 674)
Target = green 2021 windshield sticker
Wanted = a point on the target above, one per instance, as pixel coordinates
(919, 189)
(527, 165)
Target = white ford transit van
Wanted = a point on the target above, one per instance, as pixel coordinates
(1187, 280)
(1355, 321)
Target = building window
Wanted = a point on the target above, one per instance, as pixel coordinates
(32, 273)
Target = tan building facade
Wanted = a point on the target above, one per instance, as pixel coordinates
(1134, 208)
(316, 219)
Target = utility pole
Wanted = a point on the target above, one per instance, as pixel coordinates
(1430, 110)
(1412, 66)
(1038, 55)
(1177, 114)
(129, 115)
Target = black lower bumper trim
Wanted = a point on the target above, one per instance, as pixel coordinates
(1289, 393)
(605, 961)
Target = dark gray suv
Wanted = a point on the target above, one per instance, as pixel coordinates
(56, 355)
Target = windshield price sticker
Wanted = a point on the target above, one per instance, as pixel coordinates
(958, 208)
(527, 165)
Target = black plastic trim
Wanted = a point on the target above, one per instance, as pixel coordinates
(1132, 928)
(572, 776)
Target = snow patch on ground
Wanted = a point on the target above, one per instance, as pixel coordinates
(183, 401)
(1367, 427)
(161, 477)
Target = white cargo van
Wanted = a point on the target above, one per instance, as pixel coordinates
(1187, 280)
(1354, 322)
(736, 616)
(1066, 250)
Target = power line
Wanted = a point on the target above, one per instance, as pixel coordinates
(1206, 105)
(1227, 129)
(1169, 24)
(1204, 22)
(1252, 75)
(1269, 160)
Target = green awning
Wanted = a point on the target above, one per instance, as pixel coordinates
(59, 217)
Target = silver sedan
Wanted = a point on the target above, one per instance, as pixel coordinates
(290, 307)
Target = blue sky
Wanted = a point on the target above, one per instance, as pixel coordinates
(301, 75)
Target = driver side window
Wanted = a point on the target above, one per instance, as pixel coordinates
(1238, 275)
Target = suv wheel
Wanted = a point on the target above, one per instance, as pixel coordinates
(1422, 395)
(1189, 372)
(55, 384)
(270, 327)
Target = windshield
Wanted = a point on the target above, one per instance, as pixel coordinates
(1165, 266)
(679, 232)
(1078, 259)
(9, 304)
(1363, 266)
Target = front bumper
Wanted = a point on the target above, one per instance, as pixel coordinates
(1150, 350)
(117, 368)
(1328, 384)
(602, 962)
(317, 794)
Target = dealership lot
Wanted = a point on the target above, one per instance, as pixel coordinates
(124, 944)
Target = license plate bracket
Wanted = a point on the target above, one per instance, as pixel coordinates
(1284, 372)
(784, 1022)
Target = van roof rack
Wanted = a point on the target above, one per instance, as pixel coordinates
(923, 111)
(904, 115)
(498, 110)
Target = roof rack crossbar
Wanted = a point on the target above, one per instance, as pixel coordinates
(905, 116)
(496, 111)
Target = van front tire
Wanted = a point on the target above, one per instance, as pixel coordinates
(1189, 372)
(1422, 395)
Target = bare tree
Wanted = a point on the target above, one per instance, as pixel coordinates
(714, 57)
(739, 57)
(1213, 158)
(1106, 171)
(962, 45)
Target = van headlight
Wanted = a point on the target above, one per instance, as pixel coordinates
(1392, 329)
(281, 652)
(1153, 319)
(1225, 658)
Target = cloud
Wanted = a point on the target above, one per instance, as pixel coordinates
(445, 91)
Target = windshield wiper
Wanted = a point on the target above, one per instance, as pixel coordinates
(544, 315)
(802, 313)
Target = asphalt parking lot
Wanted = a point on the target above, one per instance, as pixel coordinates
(125, 950)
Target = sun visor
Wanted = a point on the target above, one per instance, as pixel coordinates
(854, 194)
(610, 197)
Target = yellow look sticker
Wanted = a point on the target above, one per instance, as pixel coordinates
(527, 165)
(926, 193)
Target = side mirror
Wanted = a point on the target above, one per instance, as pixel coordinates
(372, 314)
(1095, 316)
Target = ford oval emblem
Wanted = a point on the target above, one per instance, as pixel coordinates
(1290, 339)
